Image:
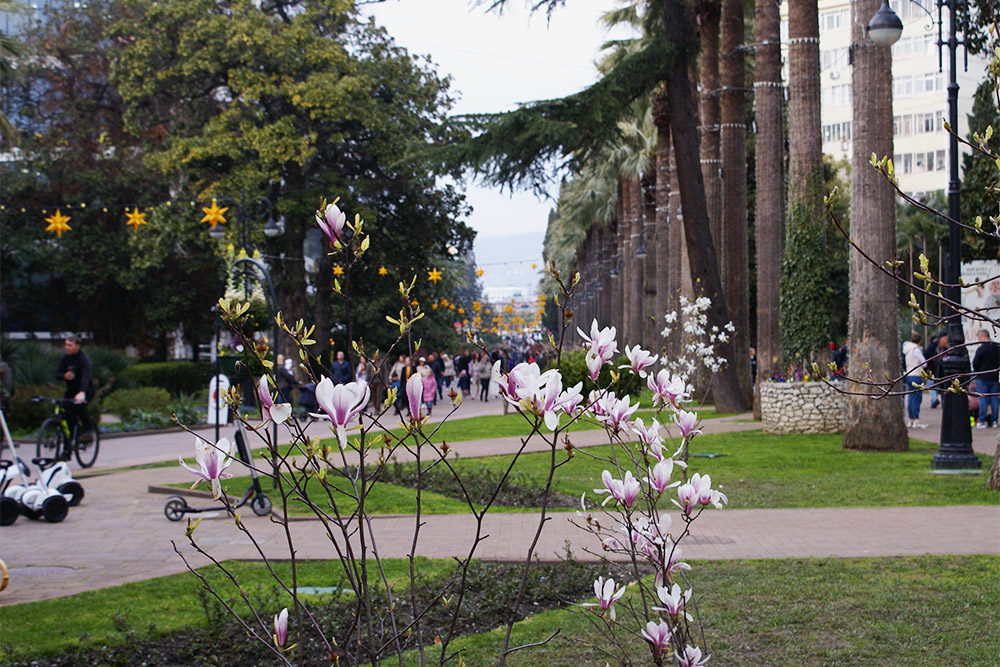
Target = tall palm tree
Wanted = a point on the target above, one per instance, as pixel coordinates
(872, 330)
(665, 287)
(770, 199)
(733, 251)
(710, 119)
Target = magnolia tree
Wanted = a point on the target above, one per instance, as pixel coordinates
(642, 517)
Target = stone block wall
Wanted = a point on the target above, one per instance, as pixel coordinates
(801, 407)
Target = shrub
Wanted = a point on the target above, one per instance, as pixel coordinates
(106, 366)
(25, 415)
(33, 363)
(173, 376)
(147, 399)
(186, 407)
(574, 369)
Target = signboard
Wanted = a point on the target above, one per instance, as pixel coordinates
(982, 297)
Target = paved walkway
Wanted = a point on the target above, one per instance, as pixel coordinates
(119, 534)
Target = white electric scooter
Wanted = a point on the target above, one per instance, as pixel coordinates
(50, 497)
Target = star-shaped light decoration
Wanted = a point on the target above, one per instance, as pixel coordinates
(135, 218)
(57, 223)
(479, 273)
(434, 276)
(382, 271)
(461, 311)
(213, 214)
(434, 305)
(534, 266)
(477, 306)
(338, 270)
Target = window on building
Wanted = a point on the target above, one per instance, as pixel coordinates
(939, 160)
(908, 163)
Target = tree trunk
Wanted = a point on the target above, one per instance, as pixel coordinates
(770, 199)
(734, 253)
(708, 98)
(662, 219)
(872, 425)
(649, 284)
(701, 253)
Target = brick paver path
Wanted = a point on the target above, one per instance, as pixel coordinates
(119, 534)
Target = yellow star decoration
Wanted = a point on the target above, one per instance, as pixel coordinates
(382, 271)
(135, 218)
(338, 270)
(434, 276)
(434, 305)
(213, 214)
(461, 311)
(479, 273)
(57, 223)
(477, 306)
(534, 266)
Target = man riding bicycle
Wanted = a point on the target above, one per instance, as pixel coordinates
(74, 370)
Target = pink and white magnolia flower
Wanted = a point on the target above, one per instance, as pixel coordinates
(606, 596)
(342, 403)
(594, 365)
(414, 396)
(541, 391)
(650, 437)
(674, 600)
(659, 476)
(331, 222)
(638, 360)
(212, 462)
(699, 491)
(617, 413)
(505, 381)
(279, 412)
(692, 657)
(597, 401)
(281, 627)
(624, 490)
(569, 400)
(668, 390)
(686, 422)
(602, 341)
(658, 634)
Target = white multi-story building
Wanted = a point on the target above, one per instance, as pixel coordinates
(919, 92)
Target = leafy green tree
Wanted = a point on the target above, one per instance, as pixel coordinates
(980, 191)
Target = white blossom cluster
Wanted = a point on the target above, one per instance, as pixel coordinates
(699, 350)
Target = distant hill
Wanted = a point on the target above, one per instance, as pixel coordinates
(506, 260)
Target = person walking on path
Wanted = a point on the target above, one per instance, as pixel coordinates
(448, 372)
(986, 363)
(484, 371)
(935, 345)
(284, 379)
(429, 384)
(913, 361)
(341, 369)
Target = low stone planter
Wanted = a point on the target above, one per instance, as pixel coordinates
(801, 407)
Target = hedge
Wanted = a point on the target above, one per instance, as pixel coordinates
(574, 369)
(26, 415)
(147, 399)
(174, 376)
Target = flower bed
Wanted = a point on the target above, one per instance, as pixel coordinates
(801, 407)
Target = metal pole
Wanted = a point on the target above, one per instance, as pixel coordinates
(955, 448)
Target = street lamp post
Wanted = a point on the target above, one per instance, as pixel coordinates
(955, 448)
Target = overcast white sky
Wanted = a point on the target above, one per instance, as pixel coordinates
(496, 62)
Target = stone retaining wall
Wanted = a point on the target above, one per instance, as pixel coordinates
(801, 407)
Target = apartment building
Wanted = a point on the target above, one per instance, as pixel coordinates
(919, 91)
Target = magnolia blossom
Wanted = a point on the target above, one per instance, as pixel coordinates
(692, 657)
(602, 341)
(596, 401)
(673, 600)
(650, 437)
(279, 412)
(638, 360)
(569, 400)
(699, 491)
(540, 391)
(212, 462)
(667, 389)
(342, 403)
(281, 627)
(686, 422)
(331, 222)
(617, 412)
(624, 490)
(414, 395)
(594, 365)
(659, 476)
(658, 634)
(606, 596)
(505, 381)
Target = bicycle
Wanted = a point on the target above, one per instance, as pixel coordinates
(55, 438)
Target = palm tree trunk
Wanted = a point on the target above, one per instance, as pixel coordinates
(701, 253)
(708, 76)
(872, 330)
(678, 252)
(649, 283)
(664, 287)
(733, 251)
(770, 200)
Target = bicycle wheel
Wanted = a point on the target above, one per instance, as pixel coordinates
(50, 439)
(87, 445)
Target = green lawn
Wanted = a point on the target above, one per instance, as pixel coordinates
(928, 610)
(913, 611)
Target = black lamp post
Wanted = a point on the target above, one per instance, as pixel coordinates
(955, 448)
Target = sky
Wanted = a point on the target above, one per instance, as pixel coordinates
(497, 62)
